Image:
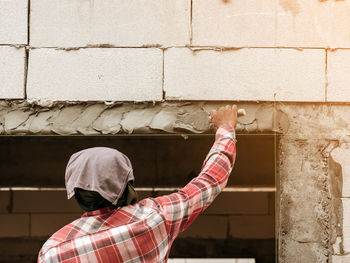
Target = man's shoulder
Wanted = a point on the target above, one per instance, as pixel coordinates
(63, 235)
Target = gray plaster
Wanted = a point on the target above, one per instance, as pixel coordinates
(93, 118)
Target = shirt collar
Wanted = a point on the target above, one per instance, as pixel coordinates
(101, 211)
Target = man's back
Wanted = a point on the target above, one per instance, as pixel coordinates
(112, 235)
(144, 232)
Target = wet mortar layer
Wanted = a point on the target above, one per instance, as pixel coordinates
(94, 118)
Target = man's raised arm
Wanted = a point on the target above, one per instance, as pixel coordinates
(182, 207)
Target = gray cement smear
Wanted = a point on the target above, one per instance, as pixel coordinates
(94, 118)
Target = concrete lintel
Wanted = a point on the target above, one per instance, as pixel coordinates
(19, 117)
(292, 120)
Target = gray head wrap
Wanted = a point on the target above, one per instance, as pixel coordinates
(100, 169)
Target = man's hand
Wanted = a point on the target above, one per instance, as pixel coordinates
(224, 116)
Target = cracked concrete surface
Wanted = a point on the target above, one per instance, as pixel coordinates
(310, 181)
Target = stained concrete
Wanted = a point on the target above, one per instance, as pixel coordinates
(305, 226)
(311, 182)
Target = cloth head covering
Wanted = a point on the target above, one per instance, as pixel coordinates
(100, 169)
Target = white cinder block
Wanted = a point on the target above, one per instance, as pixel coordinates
(339, 23)
(125, 74)
(111, 22)
(271, 23)
(340, 259)
(245, 74)
(233, 23)
(305, 23)
(12, 72)
(338, 71)
(346, 224)
(13, 21)
(341, 155)
(302, 23)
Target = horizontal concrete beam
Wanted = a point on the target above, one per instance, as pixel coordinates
(293, 120)
(94, 118)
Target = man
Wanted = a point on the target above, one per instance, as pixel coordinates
(114, 227)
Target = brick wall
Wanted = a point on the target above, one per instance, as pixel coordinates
(164, 50)
(41, 213)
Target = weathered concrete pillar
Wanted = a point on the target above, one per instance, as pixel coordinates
(311, 185)
(305, 201)
(340, 167)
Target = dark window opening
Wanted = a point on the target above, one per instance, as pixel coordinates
(239, 224)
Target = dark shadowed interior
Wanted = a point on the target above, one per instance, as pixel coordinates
(236, 225)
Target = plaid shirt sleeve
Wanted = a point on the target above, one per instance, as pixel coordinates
(180, 209)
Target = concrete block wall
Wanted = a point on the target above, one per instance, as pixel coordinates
(118, 50)
(340, 155)
(41, 213)
(200, 50)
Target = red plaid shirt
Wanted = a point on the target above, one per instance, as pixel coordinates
(144, 232)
